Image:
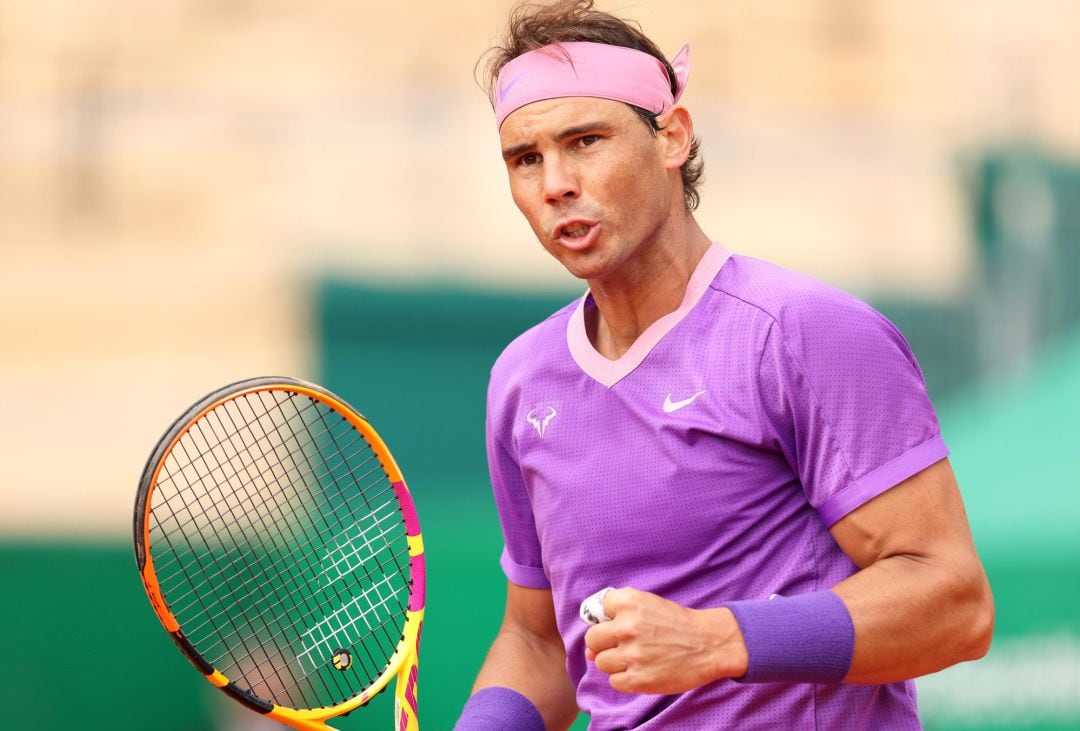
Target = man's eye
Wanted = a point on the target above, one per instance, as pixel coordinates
(530, 158)
(588, 140)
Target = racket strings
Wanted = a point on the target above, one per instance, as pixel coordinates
(266, 438)
(194, 516)
(247, 655)
(368, 495)
(285, 478)
(276, 565)
(392, 518)
(338, 449)
(225, 641)
(210, 555)
(392, 502)
(301, 590)
(397, 557)
(399, 571)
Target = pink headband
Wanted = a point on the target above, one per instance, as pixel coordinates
(589, 69)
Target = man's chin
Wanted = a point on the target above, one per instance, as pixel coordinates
(590, 274)
(583, 265)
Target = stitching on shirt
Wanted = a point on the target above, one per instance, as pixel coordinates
(809, 384)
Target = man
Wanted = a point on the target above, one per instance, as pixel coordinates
(747, 453)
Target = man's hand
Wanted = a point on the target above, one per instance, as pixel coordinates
(652, 645)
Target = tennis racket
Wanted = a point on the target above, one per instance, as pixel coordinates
(280, 548)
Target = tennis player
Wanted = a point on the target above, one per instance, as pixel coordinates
(747, 454)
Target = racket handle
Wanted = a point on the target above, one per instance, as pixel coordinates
(592, 608)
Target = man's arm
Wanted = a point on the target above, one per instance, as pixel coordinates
(919, 603)
(528, 656)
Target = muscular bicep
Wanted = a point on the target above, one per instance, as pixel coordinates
(528, 641)
(920, 600)
(922, 518)
(531, 610)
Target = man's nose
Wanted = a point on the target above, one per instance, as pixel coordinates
(560, 181)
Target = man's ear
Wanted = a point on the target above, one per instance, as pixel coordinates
(675, 136)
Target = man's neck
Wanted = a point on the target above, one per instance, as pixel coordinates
(644, 290)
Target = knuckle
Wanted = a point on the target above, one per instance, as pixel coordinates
(605, 661)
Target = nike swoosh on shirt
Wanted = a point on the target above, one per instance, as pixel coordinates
(670, 406)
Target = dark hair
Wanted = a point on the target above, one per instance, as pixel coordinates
(535, 25)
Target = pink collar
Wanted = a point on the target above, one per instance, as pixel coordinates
(609, 372)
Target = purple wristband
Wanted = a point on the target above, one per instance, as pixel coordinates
(499, 709)
(807, 638)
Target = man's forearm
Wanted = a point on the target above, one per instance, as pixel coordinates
(914, 617)
(536, 668)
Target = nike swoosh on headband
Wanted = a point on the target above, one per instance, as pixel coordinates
(505, 88)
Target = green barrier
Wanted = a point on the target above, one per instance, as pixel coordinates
(416, 361)
(82, 648)
(1014, 442)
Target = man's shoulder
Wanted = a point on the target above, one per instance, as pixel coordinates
(819, 325)
(788, 298)
(538, 346)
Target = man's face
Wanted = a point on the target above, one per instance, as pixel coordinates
(591, 179)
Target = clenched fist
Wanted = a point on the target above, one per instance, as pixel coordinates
(652, 645)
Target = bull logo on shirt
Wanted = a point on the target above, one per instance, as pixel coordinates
(540, 417)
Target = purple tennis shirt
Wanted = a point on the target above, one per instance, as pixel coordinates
(706, 465)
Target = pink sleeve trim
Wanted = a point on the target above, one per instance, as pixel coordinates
(888, 475)
(530, 577)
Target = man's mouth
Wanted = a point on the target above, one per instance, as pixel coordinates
(573, 230)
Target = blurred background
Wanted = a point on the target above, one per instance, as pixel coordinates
(196, 191)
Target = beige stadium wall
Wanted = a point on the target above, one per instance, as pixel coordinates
(175, 175)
